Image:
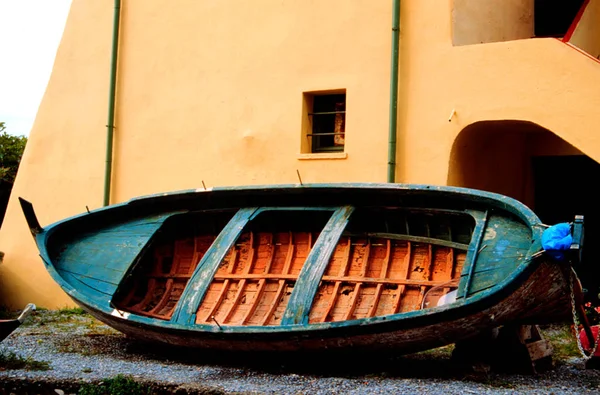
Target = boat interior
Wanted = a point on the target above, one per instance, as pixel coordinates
(385, 261)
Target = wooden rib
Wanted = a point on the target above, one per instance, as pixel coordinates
(273, 306)
(344, 265)
(289, 256)
(232, 260)
(420, 298)
(253, 306)
(154, 315)
(449, 267)
(271, 255)
(363, 271)
(450, 256)
(155, 270)
(140, 305)
(401, 288)
(336, 287)
(423, 287)
(285, 270)
(430, 264)
(177, 263)
(175, 268)
(195, 259)
(384, 270)
(353, 301)
(332, 301)
(261, 283)
(350, 279)
(242, 282)
(386, 260)
(250, 258)
(235, 301)
(357, 287)
(217, 302)
(450, 263)
(165, 298)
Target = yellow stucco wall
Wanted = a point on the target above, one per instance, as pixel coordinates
(212, 91)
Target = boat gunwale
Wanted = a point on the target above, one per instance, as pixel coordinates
(500, 201)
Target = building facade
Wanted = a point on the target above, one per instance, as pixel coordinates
(492, 94)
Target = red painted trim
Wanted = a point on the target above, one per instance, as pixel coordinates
(575, 22)
(580, 51)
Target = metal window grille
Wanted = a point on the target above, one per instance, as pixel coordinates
(328, 123)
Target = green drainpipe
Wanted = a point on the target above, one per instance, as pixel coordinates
(111, 103)
(391, 174)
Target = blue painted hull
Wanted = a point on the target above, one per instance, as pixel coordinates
(310, 267)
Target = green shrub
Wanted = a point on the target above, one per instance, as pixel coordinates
(10, 360)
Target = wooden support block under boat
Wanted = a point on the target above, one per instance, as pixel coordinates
(511, 349)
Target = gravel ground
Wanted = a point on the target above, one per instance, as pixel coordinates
(82, 350)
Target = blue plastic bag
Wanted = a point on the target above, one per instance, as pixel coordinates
(556, 239)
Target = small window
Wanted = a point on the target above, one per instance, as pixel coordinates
(326, 122)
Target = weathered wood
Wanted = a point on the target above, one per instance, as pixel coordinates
(478, 233)
(298, 307)
(351, 279)
(355, 296)
(284, 277)
(423, 288)
(548, 293)
(164, 299)
(401, 288)
(253, 306)
(289, 256)
(514, 349)
(415, 239)
(152, 284)
(234, 302)
(269, 260)
(217, 303)
(273, 306)
(384, 274)
(449, 269)
(332, 301)
(200, 281)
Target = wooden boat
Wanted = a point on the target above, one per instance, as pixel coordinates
(308, 267)
(9, 326)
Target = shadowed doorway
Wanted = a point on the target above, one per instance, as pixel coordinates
(533, 165)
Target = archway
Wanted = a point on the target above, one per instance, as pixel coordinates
(525, 161)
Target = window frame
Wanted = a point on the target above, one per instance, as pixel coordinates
(311, 142)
